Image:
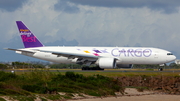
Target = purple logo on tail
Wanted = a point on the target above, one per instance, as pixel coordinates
(28, 38)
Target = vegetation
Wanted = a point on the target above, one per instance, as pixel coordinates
(40, 82)
(141, 89)
(3, 66)
(47, 85)
(21, 65)
(1, 99)
(63, 66)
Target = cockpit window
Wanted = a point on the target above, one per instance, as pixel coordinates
(169, 54)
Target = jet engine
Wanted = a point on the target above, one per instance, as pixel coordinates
(106, 63)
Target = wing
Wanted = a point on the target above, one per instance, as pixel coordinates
(81, 58)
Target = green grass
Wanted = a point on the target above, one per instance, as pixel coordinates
(120, 74)
(93, 93)
(116, 74)
(149, 69)
(54, 97)
(23, 98)
(1, 99)
(45, 82)
(66, 96)
(43, 99)
(23, 86)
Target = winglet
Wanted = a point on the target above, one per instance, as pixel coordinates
(28, 38)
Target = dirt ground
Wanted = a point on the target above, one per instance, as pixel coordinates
(133, 95)
(156, 97)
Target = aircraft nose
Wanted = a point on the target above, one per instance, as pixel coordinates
(171, 58)
(174, 57)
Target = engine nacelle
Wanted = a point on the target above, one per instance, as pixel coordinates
(125, 65)
(107, 63)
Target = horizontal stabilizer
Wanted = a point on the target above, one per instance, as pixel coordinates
(18, 50)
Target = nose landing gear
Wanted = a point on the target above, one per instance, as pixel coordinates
(160, 69)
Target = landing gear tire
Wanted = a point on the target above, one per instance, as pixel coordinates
(160, 69)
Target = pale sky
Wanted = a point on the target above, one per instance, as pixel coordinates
(146, 23)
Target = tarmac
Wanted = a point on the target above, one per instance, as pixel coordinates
(79, 70)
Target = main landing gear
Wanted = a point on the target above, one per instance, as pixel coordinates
(92, 68)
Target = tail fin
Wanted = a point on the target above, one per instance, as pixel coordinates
(28, 38)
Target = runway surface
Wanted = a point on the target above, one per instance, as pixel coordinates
(78, 70)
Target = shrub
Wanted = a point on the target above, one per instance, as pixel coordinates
(34, 88)
(93, 93)
(41, 82)
(6, 76)
(70, 75)
(1, 99)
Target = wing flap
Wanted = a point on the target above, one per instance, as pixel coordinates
(73, 55)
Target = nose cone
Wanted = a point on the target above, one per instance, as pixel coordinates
(170, 57)
(173, 57)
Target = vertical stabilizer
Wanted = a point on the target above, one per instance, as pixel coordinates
(28, 38)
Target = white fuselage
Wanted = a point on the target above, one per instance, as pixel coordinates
(123, 55)
(103, 57)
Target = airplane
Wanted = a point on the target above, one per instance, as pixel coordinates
(102, 57)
